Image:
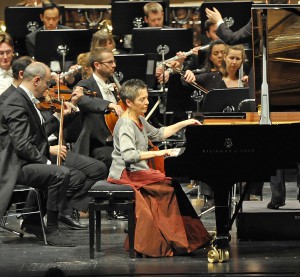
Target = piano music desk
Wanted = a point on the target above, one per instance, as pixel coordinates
(254, 118)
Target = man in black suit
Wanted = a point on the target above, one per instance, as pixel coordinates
(84, 171)
(24, 152)
(95, 139)
(50, 15)
(243, 35)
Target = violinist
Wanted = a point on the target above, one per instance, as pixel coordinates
(84, 171)
(95, 139)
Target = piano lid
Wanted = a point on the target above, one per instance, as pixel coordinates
(283, 47)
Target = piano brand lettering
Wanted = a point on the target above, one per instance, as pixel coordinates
(228, 144)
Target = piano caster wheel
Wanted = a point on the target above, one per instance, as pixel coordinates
(213, 256)
(217, 255)
(223, 255)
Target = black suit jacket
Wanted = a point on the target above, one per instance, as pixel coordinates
(51, 123)
(92, 116)
(30, 39)
(241, 36)
(23, 140)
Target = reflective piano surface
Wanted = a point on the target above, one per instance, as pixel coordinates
(283, 46)
(224, 151)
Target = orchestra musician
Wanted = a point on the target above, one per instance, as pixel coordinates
(25, 151)
(6, 58)
(173, 227)
(229, 77)
(100, 38)
(154, 17)
(84, 171)
(50, 15)
(95, 139)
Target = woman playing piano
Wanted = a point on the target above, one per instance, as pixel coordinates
(166, 223)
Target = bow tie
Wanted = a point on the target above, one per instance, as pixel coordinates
(6, 73)
(108, 88)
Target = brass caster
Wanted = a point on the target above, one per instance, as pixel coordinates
(223, 255)
(213, 256)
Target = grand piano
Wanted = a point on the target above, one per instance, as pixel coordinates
(248, 146)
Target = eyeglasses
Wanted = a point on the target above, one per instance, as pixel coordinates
(8, 52)
(110, 62)
(48, 83)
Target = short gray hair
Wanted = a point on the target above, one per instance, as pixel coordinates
(131, 89)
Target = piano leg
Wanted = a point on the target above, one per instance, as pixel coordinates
(220, 243)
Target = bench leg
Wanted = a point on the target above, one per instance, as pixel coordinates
(98, 230)
(92, 229)
(131, 229)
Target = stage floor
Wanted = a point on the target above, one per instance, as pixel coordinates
(29, 257)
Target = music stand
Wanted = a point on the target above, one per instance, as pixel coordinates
(228, 100)
(147, 40)
(131, 66)
(47, 44)
(20, 21)
(126, 15)
(235, 14)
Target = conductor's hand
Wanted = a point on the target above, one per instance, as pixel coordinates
(55, 149)
(214, 16)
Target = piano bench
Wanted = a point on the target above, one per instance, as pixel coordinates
(110, 197)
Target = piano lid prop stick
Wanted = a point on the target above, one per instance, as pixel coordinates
(153, 109)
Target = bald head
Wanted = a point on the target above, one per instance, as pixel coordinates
(36, 78)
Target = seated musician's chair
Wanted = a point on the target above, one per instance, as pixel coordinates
(16, 208)
(110, 197)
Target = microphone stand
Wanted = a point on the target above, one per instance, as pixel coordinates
(163, 52)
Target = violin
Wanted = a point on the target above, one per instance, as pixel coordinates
(51, 101)
(64, 92)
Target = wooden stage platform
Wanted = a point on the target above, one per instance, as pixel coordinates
(29, 257)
